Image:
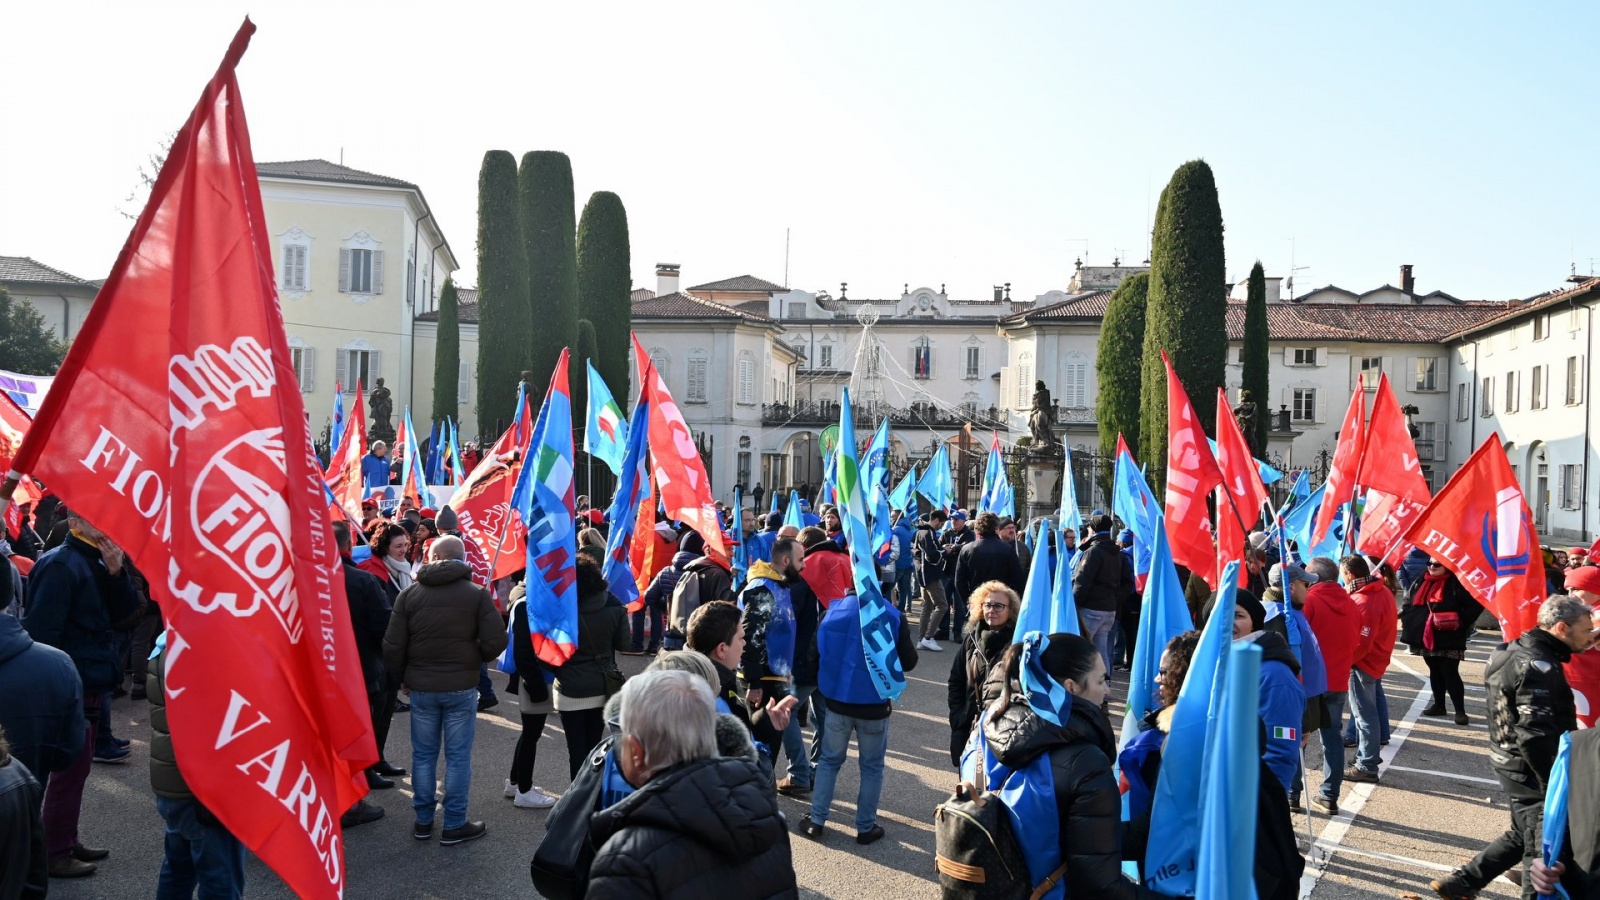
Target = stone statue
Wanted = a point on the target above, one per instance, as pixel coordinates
(381, 406)
(1245, 416)
(1039, 419)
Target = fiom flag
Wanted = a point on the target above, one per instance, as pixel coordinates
(606, 437)
(1191, 474)
(1479, 526)
(680, 474)
(997, 495)
(1163, 615)
(1037, 598)
(549, 511)
(877, 625)
(633, 486)
(189, 448)
(1233, 779)
(1346, 465)
(13, 427)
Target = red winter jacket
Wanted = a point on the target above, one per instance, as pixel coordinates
(1336, 621)
(828, 572)
(1379, 619)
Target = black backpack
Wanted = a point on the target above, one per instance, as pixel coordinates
(977, 853)
(560, 867)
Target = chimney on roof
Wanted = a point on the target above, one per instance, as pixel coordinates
(843, 286)
(1407, 283)
(666, 279)
(999, 293)
(1008, 292)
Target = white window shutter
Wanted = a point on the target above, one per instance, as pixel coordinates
(341, 358)
(464, 382)
(377, 271)
(1389, 367)
(1285, 397)
(308, 362)
(1288, 356)
(1322, 356)
(1355, 372)
(1322, 408)
(374, 370)
(344, 269)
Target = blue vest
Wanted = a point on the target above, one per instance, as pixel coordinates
(1029, 794)
(780, 628)
(842, 672)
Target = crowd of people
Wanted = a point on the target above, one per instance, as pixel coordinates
(674, 773)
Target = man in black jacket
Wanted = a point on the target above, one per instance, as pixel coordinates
(988, 558)
(929, 554)
(1530, 707)
(1102, 578)
(369, 619)
(957, 536)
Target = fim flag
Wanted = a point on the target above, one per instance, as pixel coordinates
(189, 448)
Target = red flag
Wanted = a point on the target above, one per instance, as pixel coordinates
(1346, 464)
(13, 426)
(679, 475)
(344, 465)
(1122, 447)
(189, 448)
(1393, 474)
(1242, 495)
(1191, 474)
(482, 505)
(1481, 529)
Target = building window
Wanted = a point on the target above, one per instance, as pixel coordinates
(1575, 320)
(464, 383)
(1303, 356)
(825, 356)
(797, 310)
(662, 363)
(1463, 406)
(1426, 448)
(1513, 395)
(1304, 407)
(1371, 368)
(296, 267)
(358, 367)
(699, 369)
(1541, 326)
(1486, 402)
(747, 378)
(1574, 380)
(971, 372)
(361, 271)
(1075, 394)
(1571, 487)
(1426, 376)
(1539, 395)
(921, 359)
(1024, 380)
(304, 360)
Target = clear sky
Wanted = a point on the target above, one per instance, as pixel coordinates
(923, 143)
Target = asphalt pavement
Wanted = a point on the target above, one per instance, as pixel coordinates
(1435, 806)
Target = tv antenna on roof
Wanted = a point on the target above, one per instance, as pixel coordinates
(1293, 269)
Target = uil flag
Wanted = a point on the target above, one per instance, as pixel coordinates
(877, 625)
(344, 466)
(1070, 517)
(1191, 474)
(606, 437)
(1064, 606)
(1163, 615)
(1556, 800)
(997, 495)
(456, 473)
(935, 483)
(791, 513)
(1037, 599)
(1233, 780)
(1136, 506)
(1346, 465)
(680, 474)
(1480, 528)
(546, 482)
(189, 448)
(1393, 474)
(904, 495)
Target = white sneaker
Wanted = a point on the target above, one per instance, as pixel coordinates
(511, 789)
(931, 644)
(534, 799)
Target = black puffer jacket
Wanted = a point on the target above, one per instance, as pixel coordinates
(1102, 576)
(986, 559)
(980, 650)
(1530, 707)
(1088, 803)
(708, 828)
(602, 632)
(1453, 598)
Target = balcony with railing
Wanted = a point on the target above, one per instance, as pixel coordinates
(927, 415)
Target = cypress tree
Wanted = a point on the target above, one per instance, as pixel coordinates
(447, 359)
(504, 325)
(1256, 339)
(1118, 364)
(583, 351)
(604, 284)
(549, 234)
(1187, 310)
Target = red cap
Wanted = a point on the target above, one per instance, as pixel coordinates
(428, 513)
(369, 502)
(596, 516)
(1577, 551)
(1584, 578)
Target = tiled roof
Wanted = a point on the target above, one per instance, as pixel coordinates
(641, 294)
(687, 306)
(759, 307)
(1376, 322)
(740, 283)
(26, 270)
(322, 170)
(1511, 310)
(466, 308)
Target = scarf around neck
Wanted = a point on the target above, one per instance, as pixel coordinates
(399, 571)
(1429, 590)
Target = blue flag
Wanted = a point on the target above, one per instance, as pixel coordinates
(1163, 615)
(774, 507)
(1174, 845)
(1069, 515)
(545, 486)
(1064, 608)
(904, 495)
(791, 515)
(1133, 503)
(935, 483)
(633, 489)
(1037, 600)
(336, 433)
(1263, 468)
(1233, 778)
(605, 436)
(997, 495)
(740, 560)
(875, 470)
(1556, 793)
(1298, 522)
(877, 624)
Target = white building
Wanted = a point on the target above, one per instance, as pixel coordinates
(62, 299)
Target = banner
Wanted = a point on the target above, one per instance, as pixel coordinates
(176, 426)
(26, 391)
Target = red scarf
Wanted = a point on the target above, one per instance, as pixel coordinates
(1430, 589)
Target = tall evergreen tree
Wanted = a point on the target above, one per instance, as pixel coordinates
(583, 351)
(1187, 310)
(604, 284)
(549, 233)
(447, 358)
(1256, 352)
(1118, 364)
(27, 345)
(504, 325)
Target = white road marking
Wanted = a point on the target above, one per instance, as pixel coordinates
(1445, 774)
(1408, 861)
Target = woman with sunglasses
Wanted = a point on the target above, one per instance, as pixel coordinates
(991, 620)
(1436, 622)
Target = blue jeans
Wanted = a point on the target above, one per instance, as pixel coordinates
(1100, 625)
(872, 740)
(198, 855)
(1366, 715)
(1383, 718)
(794, 740)
(902, 588)
(658, 625)
(1332, 746)
(452, 716)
